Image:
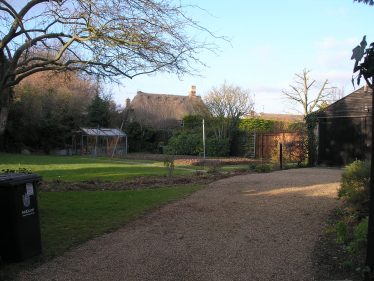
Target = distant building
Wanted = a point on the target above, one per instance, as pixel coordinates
(288, 118)
(163, 111)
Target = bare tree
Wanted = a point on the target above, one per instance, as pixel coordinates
(108, 38)
(308, 93)
(228, 104)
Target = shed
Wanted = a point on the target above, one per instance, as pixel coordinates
(343, 130)
(100, 142)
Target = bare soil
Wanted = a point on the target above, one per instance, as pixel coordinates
(136, 183)
(192, 160)
(247, 227)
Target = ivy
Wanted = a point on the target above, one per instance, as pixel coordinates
(256, 125)
(311, 121)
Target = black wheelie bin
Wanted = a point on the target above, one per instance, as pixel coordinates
(19, 217)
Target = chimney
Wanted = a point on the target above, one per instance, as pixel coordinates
(128, 103)
(192, 92)
(366, 88)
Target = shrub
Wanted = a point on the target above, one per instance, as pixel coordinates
(263, 168)
(354, 187)
(185, 143)
(296, 150)
(213, 166)
(257, 125)
(169, 164)
(359, 236)
(341, 231)
(218, 147)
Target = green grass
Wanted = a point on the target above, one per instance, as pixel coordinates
(77, 168)
(69, 218)
(241, 167)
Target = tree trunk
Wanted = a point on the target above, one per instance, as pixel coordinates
(3, 119)
(5, 96)
(5, 92)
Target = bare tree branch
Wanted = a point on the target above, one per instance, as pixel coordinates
(302, 94)
(107, 38)
(228, 104)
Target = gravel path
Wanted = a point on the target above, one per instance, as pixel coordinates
(249, 227)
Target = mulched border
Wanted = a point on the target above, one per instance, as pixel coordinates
(136, 183)
(330, 260)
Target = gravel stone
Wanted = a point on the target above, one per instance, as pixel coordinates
(248, 227)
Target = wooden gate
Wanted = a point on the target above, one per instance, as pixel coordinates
(267, 144)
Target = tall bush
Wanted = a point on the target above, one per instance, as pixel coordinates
(355, 187)
(218, 147)
(185, 143)
(46, 109)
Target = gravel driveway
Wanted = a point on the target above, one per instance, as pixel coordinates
(249, 227)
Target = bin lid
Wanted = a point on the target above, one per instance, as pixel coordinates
(11, 179)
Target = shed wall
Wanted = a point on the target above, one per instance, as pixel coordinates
(343, 140)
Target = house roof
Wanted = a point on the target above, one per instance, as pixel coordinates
(281, 117)
(158, 109)
(103, 132)
(356, 104)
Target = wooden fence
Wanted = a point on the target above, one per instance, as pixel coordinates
(267, 144)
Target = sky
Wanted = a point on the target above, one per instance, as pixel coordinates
(269, 42)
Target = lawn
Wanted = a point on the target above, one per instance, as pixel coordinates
(77, 168)
(73, 217)
(70, 218)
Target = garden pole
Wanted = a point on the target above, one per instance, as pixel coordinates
(280, 156)
(204, 137)
(115, 146)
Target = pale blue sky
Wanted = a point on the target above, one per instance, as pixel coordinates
(270, 42)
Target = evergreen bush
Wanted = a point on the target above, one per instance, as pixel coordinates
(354, 187)
(185, 143)
(218, 147)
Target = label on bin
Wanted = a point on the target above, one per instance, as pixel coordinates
(27, 209)
(26, 200)
(28, 212)
(29, 189)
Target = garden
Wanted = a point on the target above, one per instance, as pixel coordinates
(341, 250)
(80, 198)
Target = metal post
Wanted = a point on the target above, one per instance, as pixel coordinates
(126, 146)
(204, 137)
(281, 156)
(116, 143)
(254, 146)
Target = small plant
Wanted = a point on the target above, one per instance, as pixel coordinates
(169, 164)
(252, 167)
(341, 231)
(213, 166)
(354, 187)
(359, 237)
(263, 168)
